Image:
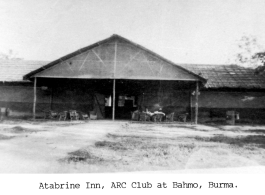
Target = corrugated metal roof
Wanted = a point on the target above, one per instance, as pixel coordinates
(227, 76)
(14, 70)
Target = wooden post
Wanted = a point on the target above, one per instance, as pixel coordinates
(196, 102)
(113, 99)
(35, 98)
(191, 112)
(114, 82)
(143, 102)
(51, 97)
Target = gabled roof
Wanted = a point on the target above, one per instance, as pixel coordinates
(228, 76)
(14, 70)
(114, 57)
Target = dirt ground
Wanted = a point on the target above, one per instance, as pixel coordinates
(120, 146)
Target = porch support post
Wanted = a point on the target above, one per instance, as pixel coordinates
(196, 102)
(113, 99)
(35, 98)
(51, 97)
(191, 112)
(114, 82)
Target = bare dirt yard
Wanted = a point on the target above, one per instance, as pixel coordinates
(106, 146)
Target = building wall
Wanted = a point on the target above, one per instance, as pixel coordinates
(65, 98)
(213, 105)
(19, 99)
(169, 101)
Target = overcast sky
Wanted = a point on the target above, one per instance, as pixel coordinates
(184, 31)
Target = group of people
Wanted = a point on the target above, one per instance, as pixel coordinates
(146, 115)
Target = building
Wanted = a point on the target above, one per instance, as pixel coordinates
(16, 93)
(118, 72)
(230, 87)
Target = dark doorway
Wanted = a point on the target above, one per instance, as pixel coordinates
(124, 105)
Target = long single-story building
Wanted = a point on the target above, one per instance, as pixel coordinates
(230, 88)
(115, 76)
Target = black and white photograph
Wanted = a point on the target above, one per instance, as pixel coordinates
(130, 86)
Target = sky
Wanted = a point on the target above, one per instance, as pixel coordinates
(183, 31)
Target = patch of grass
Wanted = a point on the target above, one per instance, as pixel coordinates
(260, 131)
(187, 146)
(4, 137)
(185, 127)
(111, 145)
(163, 152)
(19, 129)
(81, 156)
(257, 140)
(134, 153)
(115, 136)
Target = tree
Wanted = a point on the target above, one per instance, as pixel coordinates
(249, 52)
(10, 55)
(260, 57)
